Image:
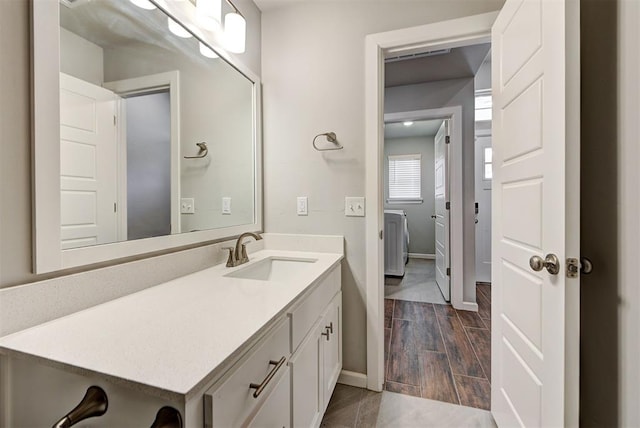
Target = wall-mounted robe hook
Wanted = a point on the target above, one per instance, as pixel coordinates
(331, 137)
(204, 150)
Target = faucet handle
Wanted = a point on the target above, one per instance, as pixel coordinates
(244, 257)
(231, 260)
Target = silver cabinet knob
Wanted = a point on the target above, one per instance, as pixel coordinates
(550, 262)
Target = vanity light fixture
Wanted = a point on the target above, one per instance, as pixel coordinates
(209, 13)
(207, 51)
(407, 123)
(178, 29)
(144, 4)
(235, 28)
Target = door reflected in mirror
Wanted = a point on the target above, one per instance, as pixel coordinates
(136, 103)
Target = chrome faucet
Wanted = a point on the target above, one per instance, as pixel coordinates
(238, 254)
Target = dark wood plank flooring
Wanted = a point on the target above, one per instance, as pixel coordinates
(437, 352)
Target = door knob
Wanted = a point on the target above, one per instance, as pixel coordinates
(550, 262)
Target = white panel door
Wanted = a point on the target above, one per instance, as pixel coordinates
(441, 156)
(88, 164)
(536, 152)
(483, 199)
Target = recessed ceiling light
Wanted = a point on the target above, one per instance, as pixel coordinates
(407, 123)
(144, 4)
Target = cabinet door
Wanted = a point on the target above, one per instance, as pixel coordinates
(306, 386)
(275, 412)
(331, 347)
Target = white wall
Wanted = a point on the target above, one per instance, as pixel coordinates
(313, 80)
(80, 58)
(15, 160)
(449, 93)
(421, 226)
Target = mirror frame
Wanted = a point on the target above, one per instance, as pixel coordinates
(47, 254)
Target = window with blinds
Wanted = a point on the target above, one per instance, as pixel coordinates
(404, 178)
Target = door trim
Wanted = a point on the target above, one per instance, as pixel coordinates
(444, 34)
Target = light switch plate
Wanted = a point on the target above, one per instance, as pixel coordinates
(187, 206)
(226, 205)
(354, 206)
(302, 207)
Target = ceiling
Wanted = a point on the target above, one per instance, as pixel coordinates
(421, 128)
(458, 63)
(266, 5)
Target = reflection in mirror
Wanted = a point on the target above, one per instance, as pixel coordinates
(136, 103)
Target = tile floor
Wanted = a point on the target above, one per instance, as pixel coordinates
(417, 285)
(432, 350)
(354, 407)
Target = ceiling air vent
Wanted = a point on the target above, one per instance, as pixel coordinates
(417, 55)
(73, 3)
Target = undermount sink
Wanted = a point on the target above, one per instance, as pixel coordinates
(273, 269)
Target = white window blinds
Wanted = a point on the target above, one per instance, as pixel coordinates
(404, 177)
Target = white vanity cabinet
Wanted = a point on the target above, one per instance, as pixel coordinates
(281, 375)
(317, 359)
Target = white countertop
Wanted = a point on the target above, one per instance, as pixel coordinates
(168, 339)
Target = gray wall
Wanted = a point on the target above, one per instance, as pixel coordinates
(313, 81)
(15, 129)
(449, 93)
(421, 225)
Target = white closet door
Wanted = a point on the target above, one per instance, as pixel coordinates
(536, 124)
(441, 157)
(88, 168)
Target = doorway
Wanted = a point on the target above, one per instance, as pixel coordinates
(534, 249)
(432, 349)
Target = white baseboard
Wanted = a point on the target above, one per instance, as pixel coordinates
(422, 256)
(466, 306)
(350, 378)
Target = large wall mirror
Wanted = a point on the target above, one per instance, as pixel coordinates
(145, 138)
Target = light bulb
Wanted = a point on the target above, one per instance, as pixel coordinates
(207, 51)
(178, 29)
(144, 4)
(235, 32)
(408, 123)
(209, 13)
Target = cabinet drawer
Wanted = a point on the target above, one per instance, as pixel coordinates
(232, 401)
(305, 315)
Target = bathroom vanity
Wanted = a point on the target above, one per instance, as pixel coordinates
(254, 345)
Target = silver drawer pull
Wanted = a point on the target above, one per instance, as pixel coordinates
(330, 327)
(262, 385)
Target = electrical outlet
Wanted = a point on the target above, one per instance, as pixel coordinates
(226, 205)
(302, 206)
(354, 206)
(187, 206)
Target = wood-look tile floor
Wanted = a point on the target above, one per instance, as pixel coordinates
(437, 352)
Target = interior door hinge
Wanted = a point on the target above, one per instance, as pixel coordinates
(447, 205)
(115, 120)
(447, 139)
(115, 207)
(448, 271)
